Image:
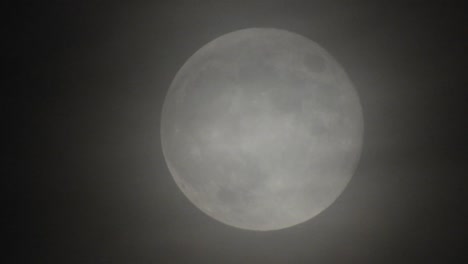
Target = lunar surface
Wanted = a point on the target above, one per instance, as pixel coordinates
(261, 129)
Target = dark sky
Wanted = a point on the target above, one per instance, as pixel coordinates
(88, 83)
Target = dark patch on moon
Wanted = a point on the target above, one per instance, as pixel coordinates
(227, 196)
(314, 63)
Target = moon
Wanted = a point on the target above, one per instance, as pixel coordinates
(261, 129)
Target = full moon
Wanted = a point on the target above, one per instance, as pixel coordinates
(261, 129)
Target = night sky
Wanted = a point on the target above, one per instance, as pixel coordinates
(88, 79)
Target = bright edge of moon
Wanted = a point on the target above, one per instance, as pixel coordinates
(261, 129)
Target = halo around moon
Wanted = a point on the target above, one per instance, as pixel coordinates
(261, 129)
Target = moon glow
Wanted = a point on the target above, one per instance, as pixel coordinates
(261, 129)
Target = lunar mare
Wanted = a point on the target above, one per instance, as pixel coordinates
(261, 129)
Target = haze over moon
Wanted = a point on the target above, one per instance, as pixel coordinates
(261, 129)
